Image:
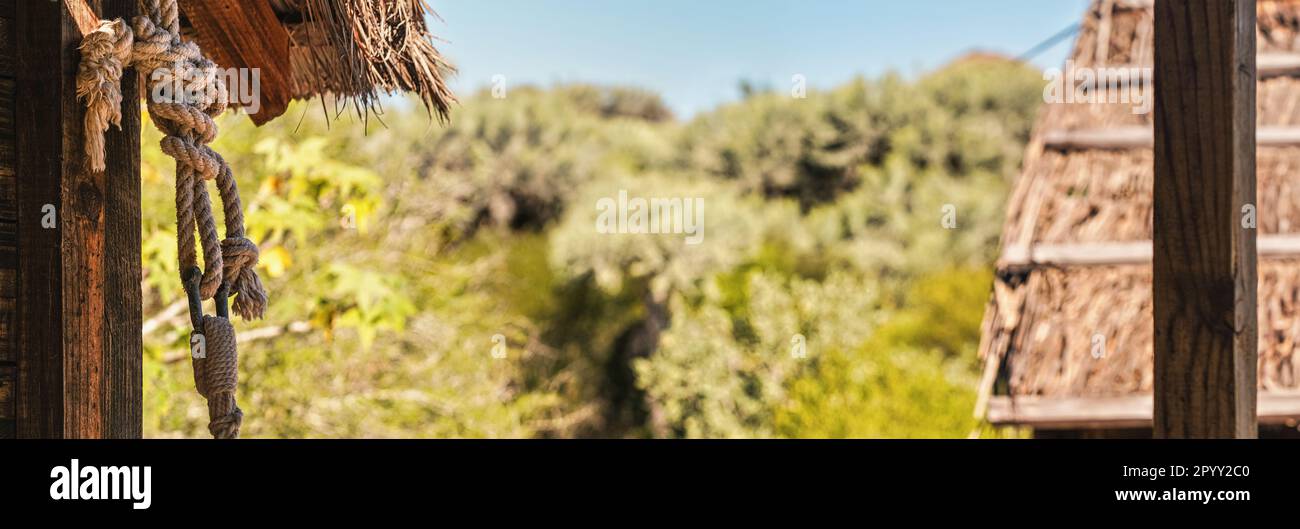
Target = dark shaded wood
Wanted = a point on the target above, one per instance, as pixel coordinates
(6, 42)
(246, 34)
(40, 37)
(1204, 260)
(6, 104)
(79, 371)
(8, 226)
(8, 402)
(123, 342)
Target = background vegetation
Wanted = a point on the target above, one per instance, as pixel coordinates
(395, 254)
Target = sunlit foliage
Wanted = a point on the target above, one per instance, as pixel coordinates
(431, 281)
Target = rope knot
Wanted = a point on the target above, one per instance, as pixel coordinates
(105, 53)
(239, 256)
(226, 426)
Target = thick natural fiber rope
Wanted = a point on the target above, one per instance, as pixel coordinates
(152, 44)
(217, 375)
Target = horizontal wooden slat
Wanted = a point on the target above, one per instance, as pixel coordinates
(1114, 412)
(1139, 137)
(1267, 66)
(1119, 253)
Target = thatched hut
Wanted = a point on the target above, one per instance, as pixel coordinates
(1067, 338)
(70, 314)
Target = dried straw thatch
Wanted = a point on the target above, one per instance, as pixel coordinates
(1040, 325)
(351, 49)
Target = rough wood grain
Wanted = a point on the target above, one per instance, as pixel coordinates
(6, 42)
(78, 362)
(1204, 260)
(123, 342)
(40, 86)
(223, 28)
(8, 401)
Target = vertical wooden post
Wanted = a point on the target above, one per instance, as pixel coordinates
(1204, 263)
(79, 315)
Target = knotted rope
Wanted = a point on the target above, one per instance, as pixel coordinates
(182, 104)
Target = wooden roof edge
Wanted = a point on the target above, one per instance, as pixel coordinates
(1274, 407)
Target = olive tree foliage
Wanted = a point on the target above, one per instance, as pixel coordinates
(452, 281)
(971, 116)
(515, 162)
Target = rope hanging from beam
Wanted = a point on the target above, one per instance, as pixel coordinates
(153, 44)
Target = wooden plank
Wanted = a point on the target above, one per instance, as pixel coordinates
(1134, 4)
(8, 399)
(6, 46)
(6, 107)
(1121, 253)
(77, 377)
(9, 318)
(1114, 412)
(1204, 265)
(83, 15)
(1268, 66)
(124, 313)
(40, 85)
(246, 34)
(1139, 137)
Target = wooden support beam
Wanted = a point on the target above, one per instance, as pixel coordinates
(246, 34)
(1204, 266)
(1114, 412)
(1139, 137)
(79, 316)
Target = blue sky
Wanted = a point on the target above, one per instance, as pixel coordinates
(695, 53)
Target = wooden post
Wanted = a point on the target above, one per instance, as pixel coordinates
(78, 311)
(1204, 256)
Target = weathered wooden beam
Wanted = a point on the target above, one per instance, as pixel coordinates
(79, 315)
(1122, 253)
(8, 229)
(83, 15)
(1204, 265)
(1114, 412)
(1139, 137)
(246, 34)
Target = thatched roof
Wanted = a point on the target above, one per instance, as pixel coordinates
(351, 49)
(1039, 329)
